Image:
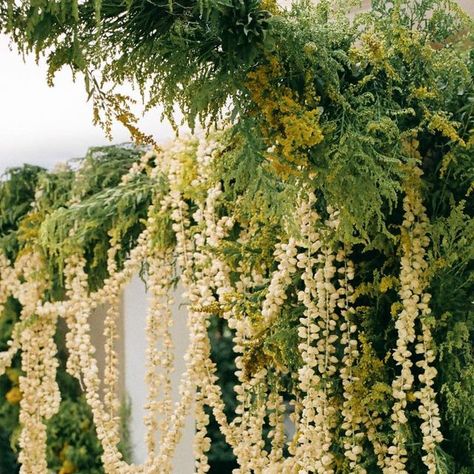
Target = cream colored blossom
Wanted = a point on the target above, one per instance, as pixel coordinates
(415, 306)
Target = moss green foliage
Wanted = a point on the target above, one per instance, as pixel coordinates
(18, 192)
(97, 208)
(343, 106)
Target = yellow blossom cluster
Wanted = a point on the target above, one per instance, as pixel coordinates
(290, 123)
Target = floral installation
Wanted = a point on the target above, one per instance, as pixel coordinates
(328, 321)
(323, 222)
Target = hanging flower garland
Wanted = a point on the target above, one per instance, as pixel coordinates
(159, 359)
(353, 422)
(317, 345)
(8, 284)
(40, 393)
(415, 302)
(328, 337)
(111, 323)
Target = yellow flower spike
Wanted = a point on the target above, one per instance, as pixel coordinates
(439, 123)
(411, 397)
(13, 375)
(13, 396)
(290, 123)
(423, 93)
(387, 283)
(395, 309)
(85, 425)
(62, 453)
(68, 467)
(271, 6)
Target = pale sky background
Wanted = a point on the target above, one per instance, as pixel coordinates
(45, 125)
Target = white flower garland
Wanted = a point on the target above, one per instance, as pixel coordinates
(415, 306)
(8, 286)
(276, 419)
(352, 422)
(159, 353)
(40, 392)
(82, 361)
(112, 402)
(285, 254)
(317, 337)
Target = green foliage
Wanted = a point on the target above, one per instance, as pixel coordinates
(17, 192)
(87, 226)
(221, 457)
(172, 49)
(452, 287)
(80, 211)
(73, 440)
(395, 74)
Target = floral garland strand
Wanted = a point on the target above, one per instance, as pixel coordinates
(428, 408)
(210, 279)
(415, 306)
(159, 352)
(111, 323)
(352, 421)
(248, 418)
(83, 363)
(9, 284)
(203, 275)
(40, 392)
(6, 357)
(245, 434)
(8, 280)
(251, 393)
(201, 284)
(213, 277)
(316, 345)
(236, 432)
(318, 333)
(197, 330)
(276, 420)
(285, 255)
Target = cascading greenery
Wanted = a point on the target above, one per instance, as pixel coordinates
(309, 97)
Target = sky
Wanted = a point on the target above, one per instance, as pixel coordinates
(45, 125)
